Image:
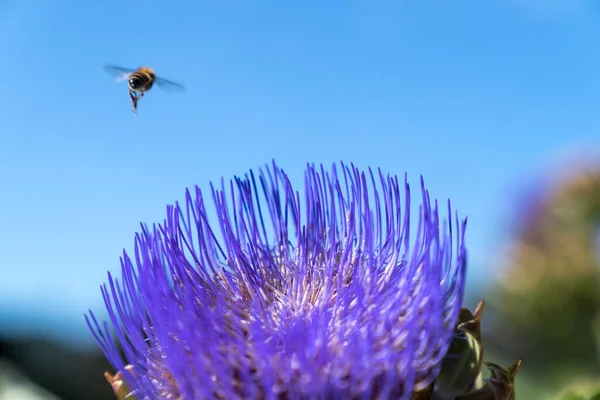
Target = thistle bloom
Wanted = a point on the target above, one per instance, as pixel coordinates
(320, 295)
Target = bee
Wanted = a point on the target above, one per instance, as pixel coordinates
(139, 81)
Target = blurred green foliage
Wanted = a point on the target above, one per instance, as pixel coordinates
(546, 305)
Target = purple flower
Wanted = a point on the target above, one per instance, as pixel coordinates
(320, 295)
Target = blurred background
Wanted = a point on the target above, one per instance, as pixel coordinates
(495, 103)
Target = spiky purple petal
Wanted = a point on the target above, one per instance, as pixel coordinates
(331, 300)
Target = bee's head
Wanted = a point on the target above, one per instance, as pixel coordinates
(135, 83)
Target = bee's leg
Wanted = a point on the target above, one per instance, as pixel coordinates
(134, 99)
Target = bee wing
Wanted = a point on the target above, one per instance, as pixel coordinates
(169, 86)
(120, 74)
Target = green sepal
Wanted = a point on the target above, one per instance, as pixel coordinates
(461, 367)
(500, 386)
(118, 385)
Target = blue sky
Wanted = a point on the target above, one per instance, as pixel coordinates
(476, 96)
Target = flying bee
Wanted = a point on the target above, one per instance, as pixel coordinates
(139, 81)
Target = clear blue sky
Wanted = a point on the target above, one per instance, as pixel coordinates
(475, 95)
